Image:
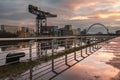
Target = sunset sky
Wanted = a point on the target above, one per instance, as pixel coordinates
(76, 12)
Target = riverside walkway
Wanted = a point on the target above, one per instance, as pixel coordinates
(104, 64)
(56, 65)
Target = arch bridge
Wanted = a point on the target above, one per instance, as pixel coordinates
(107, 30)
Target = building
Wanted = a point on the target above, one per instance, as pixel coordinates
(68, 27)
(31, 31)
(49, 31)
(56, 31)
(17, 30)
(66, 31)
(76, 32)
(9, 28)
(84, 31)
(118, 32)
(25, 32)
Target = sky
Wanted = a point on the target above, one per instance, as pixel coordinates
(79, 13)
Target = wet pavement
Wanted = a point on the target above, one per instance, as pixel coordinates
(102, 65)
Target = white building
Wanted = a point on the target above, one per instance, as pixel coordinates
(76, 31)
(9, 28)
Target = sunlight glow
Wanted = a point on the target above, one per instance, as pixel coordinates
(109, 15)
(80, 18)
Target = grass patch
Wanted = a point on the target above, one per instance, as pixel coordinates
(14, 69)
(69, 51)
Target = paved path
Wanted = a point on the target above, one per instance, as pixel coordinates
(102, 65)
(115, 62)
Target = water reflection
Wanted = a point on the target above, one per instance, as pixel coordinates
(94, 67)
(116, 60)
(19, 45)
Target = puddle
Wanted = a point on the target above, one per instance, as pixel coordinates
(102, 65)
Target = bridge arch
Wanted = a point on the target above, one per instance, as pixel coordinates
(98, 24)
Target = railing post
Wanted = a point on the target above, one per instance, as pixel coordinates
(90, 46)
(30, 52)
(30, 59)
(75, 56)
(38, 49)
(81, 41)
(66, 48)
(81, 49)
(90, 49)
(86, 45)
(53, 68)
(93, 47)
(96, 41)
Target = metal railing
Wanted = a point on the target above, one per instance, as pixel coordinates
(47, 56)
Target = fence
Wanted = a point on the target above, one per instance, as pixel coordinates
(46, 58)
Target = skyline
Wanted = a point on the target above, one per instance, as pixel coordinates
(78, 13)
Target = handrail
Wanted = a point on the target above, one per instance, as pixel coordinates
(48, 38)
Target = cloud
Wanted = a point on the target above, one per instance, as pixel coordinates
(80, 18)
(77, 12)
(102, 16)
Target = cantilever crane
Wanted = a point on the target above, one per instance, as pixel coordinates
(41, 19)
